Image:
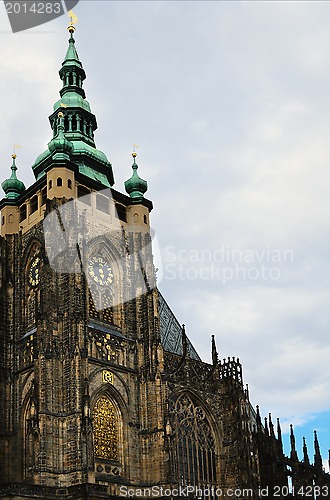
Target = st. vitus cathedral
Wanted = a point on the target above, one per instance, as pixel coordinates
(102, 394)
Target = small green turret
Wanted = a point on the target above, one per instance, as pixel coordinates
(60, 147)
(13, 187)
(135, 186)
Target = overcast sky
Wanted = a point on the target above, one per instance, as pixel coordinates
(229, 105)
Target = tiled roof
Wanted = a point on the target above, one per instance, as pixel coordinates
(170, 330)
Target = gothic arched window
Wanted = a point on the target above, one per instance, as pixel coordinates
(104, 300)
(31, 437)
(101, 281)
(194, 458)
(105, 424)
(32, 285)
(31, 309)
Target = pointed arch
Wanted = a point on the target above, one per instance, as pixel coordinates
(105, 300)
(109, 411)
(194, 458)
(29, 428)
(106, 429)
(31, 296)
(34, 247)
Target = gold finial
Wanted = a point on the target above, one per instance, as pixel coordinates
(60, 114)
(134, 154)
(71, 29)
(14, 156)
(73, 20)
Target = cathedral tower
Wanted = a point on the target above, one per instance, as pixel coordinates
(81, 371)
(102, 394)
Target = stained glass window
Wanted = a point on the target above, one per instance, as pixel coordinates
(31, 309)
(194, 458)
(105, 429)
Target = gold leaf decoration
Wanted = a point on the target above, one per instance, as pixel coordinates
(105, 429)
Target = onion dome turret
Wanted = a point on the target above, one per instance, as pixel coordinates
(13, 187)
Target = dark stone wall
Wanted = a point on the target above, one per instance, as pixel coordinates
(55, 357)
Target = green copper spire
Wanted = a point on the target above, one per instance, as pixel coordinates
(71, 56)
(72, 75)
(12, 186)
(78, 124)
(135, 186)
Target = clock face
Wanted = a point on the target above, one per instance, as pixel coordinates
(100, 271)
(34, 272)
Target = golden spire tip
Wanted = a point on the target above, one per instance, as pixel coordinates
(73, 20)
(134, 154)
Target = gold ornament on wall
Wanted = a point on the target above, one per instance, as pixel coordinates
(34, 272)
(107, 377)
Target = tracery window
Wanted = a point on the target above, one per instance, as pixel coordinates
(32, 286)
(31, 437)
(105, 423)
(101, 282)
(104, 300)
(31, 309)
(194, 458)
